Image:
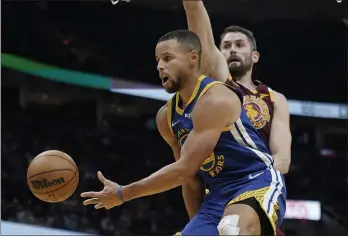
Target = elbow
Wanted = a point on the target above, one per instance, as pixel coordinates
(283, 166)
(282, 163)
(185, 174)
(285, 169)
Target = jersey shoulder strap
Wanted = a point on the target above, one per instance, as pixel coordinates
(170, 109)
(208, 86)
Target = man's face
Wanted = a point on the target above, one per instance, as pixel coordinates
(238, 52)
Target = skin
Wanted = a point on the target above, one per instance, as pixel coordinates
(179, 66)
(210, 115)
(240, 58)
(217, 64)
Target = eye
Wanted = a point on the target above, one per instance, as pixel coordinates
(167, 58)
(240, 44)
(226, 46)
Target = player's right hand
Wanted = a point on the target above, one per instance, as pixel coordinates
(107, 198)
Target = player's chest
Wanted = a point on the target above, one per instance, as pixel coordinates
(182, 126)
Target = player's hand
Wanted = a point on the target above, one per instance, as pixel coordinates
(107, 198)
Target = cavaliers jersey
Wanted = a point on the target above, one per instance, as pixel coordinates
(259, 106)
(240, 149)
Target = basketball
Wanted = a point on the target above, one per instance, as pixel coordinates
(52, 176)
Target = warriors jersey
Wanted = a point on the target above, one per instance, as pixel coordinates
(240, 149)
(259, 106)
(240, 166)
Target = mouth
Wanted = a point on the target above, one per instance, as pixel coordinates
(233, 59)
(164, 79)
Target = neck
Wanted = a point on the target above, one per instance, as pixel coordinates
(246, 80)
(189, 87)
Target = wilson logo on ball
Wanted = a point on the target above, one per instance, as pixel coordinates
(38, 184)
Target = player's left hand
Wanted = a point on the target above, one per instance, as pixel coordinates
(107, 198)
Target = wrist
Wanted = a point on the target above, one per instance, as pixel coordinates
(128, 192)
(119, 193)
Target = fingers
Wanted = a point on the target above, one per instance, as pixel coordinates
(91, 201)
(99, 206)
(91, 194)
(101, 177)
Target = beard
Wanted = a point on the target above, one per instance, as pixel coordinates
(173, 88)
(240, 69)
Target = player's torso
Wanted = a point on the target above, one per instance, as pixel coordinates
(259, 106)
(240, 150)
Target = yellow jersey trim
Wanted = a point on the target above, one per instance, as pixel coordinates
(231, 79)
(177, 108)
(169, 113)
(207, 87)
(259, 195)
(194, 94)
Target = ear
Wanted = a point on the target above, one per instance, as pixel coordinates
(255, 56)
(194, 57)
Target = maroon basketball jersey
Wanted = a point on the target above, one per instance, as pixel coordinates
(259, 105)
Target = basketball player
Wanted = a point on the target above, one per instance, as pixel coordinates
(267, 109)
(212, 136)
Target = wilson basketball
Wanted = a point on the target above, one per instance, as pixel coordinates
(52, 176)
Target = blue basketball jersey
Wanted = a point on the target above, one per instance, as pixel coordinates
(240, 167)
(240, 150)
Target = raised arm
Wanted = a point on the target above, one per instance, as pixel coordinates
(211, 114)
(280, 138)
(213, 63)
(192, 191)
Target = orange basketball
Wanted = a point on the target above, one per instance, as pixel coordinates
(52, 176)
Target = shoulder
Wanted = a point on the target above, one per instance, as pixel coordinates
(219, 105)
(164, 124)
(281, 107)
(161, 117)
(219, 95)
(164, 110)
(279, 99)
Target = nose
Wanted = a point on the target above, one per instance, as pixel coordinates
(233, 49)
(160, 67)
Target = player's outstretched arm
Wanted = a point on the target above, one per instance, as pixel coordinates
(193, 191)
(213, 63)
(211, 114)
(280, 137)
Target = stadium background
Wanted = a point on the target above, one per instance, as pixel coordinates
(105, 51)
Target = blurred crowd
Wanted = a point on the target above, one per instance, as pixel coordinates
(123, 157)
